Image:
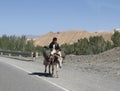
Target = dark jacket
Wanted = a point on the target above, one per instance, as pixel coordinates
(57, 47)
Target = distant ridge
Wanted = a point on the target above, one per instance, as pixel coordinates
(31, 36)
(69, 37)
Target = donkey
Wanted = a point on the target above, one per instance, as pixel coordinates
(46, 61)
(55, 63)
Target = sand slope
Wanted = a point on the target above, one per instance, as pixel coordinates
(69, 37)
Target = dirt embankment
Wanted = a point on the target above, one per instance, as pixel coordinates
(104, 63)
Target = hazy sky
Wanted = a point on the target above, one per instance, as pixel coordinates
(36, 17)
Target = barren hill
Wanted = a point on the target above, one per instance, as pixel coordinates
(69, 37)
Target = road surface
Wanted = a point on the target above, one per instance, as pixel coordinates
(22, 75)
(13, 79)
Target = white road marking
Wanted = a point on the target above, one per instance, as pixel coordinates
(40, 77)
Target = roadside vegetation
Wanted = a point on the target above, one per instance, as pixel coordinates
(93, 45)
(15, 43)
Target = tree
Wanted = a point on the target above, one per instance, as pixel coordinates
(22, 43)
(108, 45)
(81, 47)
(98, 44)
(30, 46)
(12, 42)
(4, 42)
(39, 49)
(69, 49)
(116, 39)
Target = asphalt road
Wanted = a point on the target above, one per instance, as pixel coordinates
(13, 79)
(26, 75)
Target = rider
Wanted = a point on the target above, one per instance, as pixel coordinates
(54, 47)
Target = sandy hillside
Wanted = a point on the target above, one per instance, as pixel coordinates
(69, 37)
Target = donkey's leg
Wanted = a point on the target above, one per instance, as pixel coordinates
(57, 66)
(53, 70)
(45, 68)
(49, 68)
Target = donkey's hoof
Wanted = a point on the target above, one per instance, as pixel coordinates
(60, 67)
(53, 75)
(57, 77)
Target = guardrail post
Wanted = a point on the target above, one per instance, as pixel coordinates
(1, 53)
(20, 56)
(9, 54)
(36, 54)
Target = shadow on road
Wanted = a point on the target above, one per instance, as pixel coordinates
(41, 74)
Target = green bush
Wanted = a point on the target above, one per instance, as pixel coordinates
(98, 44)
(93, 45)
(68, 49)
(116, 39)
(81, 47)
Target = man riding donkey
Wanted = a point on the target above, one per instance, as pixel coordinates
(55, 50)
(53, 56)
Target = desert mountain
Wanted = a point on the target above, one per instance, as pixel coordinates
(69, 37)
